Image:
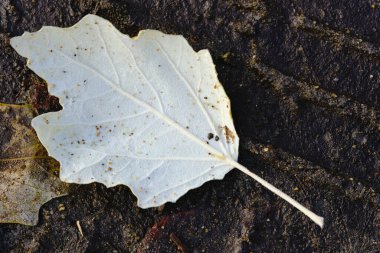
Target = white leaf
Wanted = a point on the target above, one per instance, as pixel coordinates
(147, 112)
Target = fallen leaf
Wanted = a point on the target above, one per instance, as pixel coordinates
(28, 177)
(147, 112)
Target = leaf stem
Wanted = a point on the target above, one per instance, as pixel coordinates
(314, 217)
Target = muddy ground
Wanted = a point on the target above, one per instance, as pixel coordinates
(304, 81)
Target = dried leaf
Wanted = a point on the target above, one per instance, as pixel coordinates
(28, 177)
(147, 112)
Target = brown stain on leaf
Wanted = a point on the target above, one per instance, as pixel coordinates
(230, 136)
(28, 176)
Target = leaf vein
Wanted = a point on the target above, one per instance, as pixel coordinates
(196, 98)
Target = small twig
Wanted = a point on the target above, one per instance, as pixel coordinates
(80, 229)
(177, 242)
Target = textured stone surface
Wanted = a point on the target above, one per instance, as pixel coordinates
(304, 82)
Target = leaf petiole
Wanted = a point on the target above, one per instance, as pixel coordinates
(314, 217)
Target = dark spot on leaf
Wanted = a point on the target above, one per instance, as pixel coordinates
(210, 136)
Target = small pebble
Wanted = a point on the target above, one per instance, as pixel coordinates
(61, 207)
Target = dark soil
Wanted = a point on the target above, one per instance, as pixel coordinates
(304, 81)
